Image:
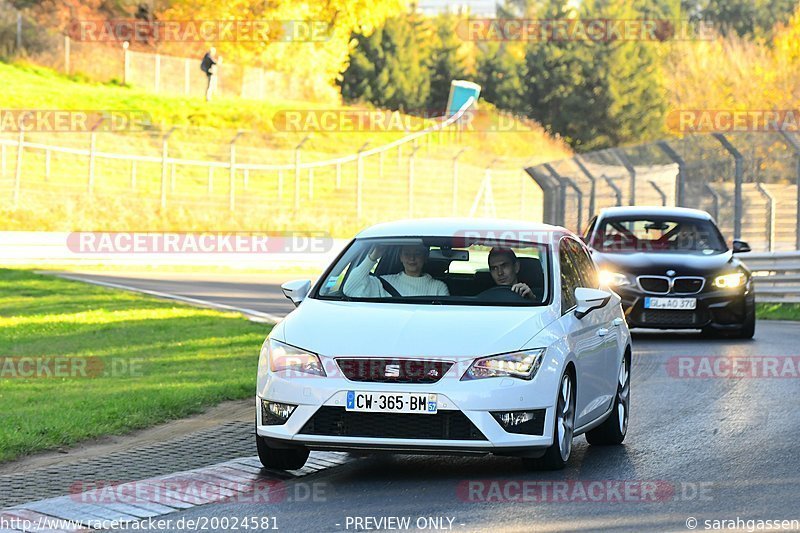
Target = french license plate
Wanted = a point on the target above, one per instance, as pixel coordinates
(391, 402)
(671, 303)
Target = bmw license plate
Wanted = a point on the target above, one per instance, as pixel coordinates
(391, 402)
(671, 303)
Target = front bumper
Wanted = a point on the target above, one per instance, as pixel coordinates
(716, 309)
(463, 425)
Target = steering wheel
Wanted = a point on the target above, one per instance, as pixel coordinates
(501, 293)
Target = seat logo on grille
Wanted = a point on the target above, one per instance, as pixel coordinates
(392, 371)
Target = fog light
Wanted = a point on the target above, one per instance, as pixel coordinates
(524, 422)
(274, 413)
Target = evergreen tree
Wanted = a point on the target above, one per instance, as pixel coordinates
(388, 67)
(446, 62)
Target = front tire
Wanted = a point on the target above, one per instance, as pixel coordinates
(613, 430)
(280, 458)
(748, 328)
(557, 455)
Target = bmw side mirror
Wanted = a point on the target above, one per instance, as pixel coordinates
(741, 247)
(589, 300)
(296, 290)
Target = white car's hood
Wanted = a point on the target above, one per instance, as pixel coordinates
(411, 330)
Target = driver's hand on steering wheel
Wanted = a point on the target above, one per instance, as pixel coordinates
(523, 290)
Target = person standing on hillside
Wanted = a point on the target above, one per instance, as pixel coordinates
(209, 66)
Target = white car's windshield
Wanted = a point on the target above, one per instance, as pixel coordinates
(440, 270)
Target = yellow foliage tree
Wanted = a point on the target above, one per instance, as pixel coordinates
(314, 64)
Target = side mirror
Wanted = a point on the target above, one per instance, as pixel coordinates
(741, 247)
(589, 300)
(296, 290)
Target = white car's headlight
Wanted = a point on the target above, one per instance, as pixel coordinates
(522, 365)
(613, 279)
(282, 356)
(730, 281)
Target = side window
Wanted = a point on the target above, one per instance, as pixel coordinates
(585, 265)
(588, 233)
(570, 277)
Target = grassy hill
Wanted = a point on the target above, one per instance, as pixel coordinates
(124, 196)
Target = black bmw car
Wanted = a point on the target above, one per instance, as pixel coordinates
(673, 270)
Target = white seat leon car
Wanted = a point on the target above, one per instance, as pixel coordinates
(461, 336)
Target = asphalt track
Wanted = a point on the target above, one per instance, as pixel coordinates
(714, 447)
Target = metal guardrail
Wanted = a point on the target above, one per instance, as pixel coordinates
(776, 275)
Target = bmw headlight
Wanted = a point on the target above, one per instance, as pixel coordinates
(522, 365)
(282, 356)
(730, 281)
(613, 279)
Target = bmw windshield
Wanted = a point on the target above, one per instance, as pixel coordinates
(659, 234)
(439, 270)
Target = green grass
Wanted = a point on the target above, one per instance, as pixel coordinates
(27, 86)
(778, 311)
(60, 201)
(185, 359)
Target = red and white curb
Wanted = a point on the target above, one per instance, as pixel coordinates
(239, 480)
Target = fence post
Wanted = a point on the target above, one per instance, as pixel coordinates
(617, 192)
(232, 179)
(592, 188)
(545, 183)
(18, 169)
(297, 172)
(411, 169)
(157, 72)
(770, 215)
(715, 196)
(562, 194)
(92, 140)
(661, 193)
(738, 160)
(164, 161)
(681, 177)
(66, 54)
(360, 178)
(126, 63)
(619, 154)
(47, 165)
(455, 180)
(795, 144)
